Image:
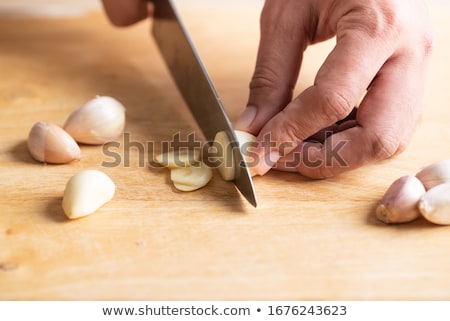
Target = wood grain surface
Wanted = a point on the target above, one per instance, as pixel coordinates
(306, 240)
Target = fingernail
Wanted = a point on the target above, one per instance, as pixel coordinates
(245, 120)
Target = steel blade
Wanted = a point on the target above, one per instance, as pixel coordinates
(194, 83)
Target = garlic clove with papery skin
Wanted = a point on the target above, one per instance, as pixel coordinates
(435, 174)
(49, 143)
(399, 203)
(100, 120)
(435, 204)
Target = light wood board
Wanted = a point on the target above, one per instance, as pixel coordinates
(306, 240)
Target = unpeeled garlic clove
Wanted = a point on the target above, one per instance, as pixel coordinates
(100, 120)
(435, 204)
(399, 203)
(87, 191)
(49, 143)
(435, 174)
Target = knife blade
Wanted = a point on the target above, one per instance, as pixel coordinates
(196, 87)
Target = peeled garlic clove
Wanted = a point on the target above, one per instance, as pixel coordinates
(223, 146)
(246, 142)
(225, 158)
(435, 174)
(50, 143)
(87, 191)
(399, 203)
(182, 158)
(435, 204)
(192, 177)
(100, 120)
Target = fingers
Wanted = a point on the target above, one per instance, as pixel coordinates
(341, 81)
(385, 123)
(281, 47)
(346, 123)
(126, 12)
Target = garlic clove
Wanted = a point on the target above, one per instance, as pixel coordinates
(224, 148)
(246, 142)
(399, 203)
(100, 120)
(182, 158)
(185, 188)
(87, 191)
(49, 143)
(435, 204)
(192, 177)
(435, 174)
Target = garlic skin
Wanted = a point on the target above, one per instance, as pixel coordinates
(100, 120)
(87, 191)
(435, 174)
(49, 143)
(399, 203)
(435, 204)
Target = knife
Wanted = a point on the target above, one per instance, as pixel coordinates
(194, 83)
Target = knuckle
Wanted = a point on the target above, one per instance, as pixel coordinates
(268, 87)
(376, 18)
(264, 78)
(294, 130)
(334, 105)
(384, 146)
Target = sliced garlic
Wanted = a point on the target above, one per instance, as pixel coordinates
(223, 146)
(100, 120)
(182, 158)
(399, 203)
(87, 191)
(435, 174)
(435, 204)
(192, 177)
(49, 143)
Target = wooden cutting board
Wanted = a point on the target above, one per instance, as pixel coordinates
(306, 240)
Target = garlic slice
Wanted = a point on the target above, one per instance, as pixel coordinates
(87, 191)
(100, 120)
(192, 177)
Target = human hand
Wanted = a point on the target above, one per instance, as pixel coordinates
(127, 12)
(382, 47)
